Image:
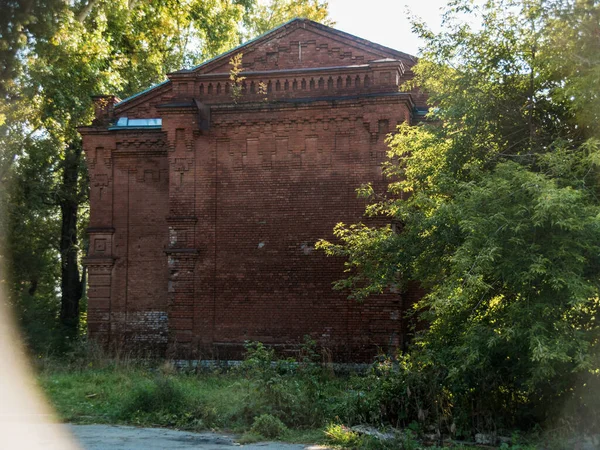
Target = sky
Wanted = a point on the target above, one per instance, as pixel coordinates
(386, 22)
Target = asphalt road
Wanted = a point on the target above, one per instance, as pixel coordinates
(110, 437)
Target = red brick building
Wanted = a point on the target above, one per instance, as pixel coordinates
(205, 211)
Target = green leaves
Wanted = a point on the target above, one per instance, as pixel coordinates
(497, 201)
(266, 16)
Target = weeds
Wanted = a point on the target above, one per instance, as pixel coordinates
(344, 437)
(268, 426)
(161, 395)
(237, 86)
(341, 435)
(147, 392)
(295, 393)
(266, 398)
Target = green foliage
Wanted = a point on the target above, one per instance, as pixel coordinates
(258, 360)
(268, 15)
(268, 426)
(138, 392)
(236, 77)
(289, 390)
(88, 388)
(341, 435)
(496, 196)
(161, 395)
(32, 240)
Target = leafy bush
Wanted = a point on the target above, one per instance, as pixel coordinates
(268, 426)
(258, 360)
(337, 434)
(290, 391)
(162, 395)
(342, 436)
(397, 393)
(499, 207)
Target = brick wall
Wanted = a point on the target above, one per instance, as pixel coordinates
(202, 238)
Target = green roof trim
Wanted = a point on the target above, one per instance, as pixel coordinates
(151, 88)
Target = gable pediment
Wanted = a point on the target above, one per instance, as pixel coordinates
(303, 44)
(298, 58)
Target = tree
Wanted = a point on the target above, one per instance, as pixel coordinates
(266, 16)
(500, 211)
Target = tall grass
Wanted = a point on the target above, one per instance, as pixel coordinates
(143, 391)
(263, 397)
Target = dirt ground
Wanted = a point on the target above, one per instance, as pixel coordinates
(110, 437)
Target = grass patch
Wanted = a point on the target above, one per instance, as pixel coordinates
(264, 399)
(144, 397)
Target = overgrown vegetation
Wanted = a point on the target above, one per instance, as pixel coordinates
(497, 199)
(236, 78)
(499, 217)
(264, 398)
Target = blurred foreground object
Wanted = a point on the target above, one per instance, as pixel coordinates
(26, 421)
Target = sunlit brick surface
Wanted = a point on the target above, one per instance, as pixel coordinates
(203, 237)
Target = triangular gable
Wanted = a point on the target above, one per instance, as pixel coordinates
(297, 44)
(303, 43)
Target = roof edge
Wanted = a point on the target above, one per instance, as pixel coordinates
(139, 94)
(317, 25)
(237, 48)
(221, 56)
(364, 41)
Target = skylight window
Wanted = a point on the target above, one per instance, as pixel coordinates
(125, 122)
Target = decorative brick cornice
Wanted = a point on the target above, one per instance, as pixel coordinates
(178, 107)
(313, 103)
(148, 143)
(305, 72)
(88, 131)
(142, 141)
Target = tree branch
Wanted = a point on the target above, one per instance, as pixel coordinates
(86, 10)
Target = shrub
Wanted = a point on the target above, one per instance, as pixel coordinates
(268, 426)
(279, 388)
(337, 434)
(162, 395)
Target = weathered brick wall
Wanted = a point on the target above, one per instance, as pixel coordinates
(202, 239)
(127, 266)
(140, 277)
(284, 179)
(297, 45)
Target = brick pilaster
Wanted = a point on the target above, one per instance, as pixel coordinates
(179, 122)
(98, 148)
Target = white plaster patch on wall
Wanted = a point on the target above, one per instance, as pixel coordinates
(144, 326)
(172, 236)
(306, 248)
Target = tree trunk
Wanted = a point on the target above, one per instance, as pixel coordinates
(71, 282)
